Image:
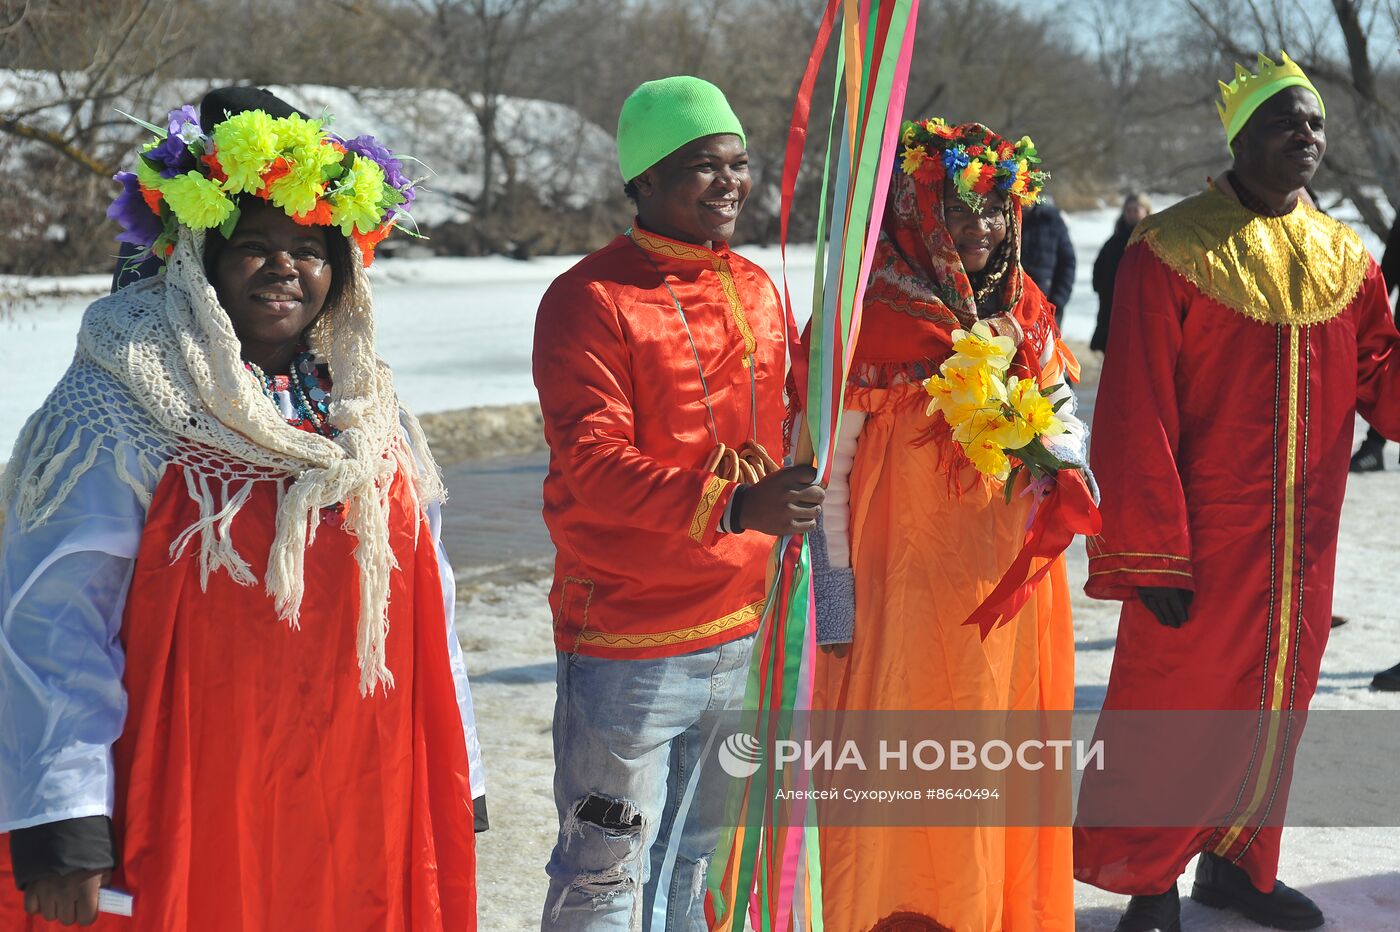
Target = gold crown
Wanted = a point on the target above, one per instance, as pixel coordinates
(1242, 96)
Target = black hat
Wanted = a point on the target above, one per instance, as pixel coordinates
(223, 102)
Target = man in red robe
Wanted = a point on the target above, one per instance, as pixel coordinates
(1248, 330)
(659, 359)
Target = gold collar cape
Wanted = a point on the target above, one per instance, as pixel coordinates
(1302, 268)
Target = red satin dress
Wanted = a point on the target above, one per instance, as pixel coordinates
(1241, 350)
(256, 790)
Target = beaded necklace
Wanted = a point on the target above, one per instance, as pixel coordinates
(310, 396)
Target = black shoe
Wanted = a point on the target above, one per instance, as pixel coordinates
(1369, 457)
(1160, 913)
(1222, 885)
(1388, 680)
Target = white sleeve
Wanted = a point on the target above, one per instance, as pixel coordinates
(1073, 445)
(836, 507)
(63, 588)
(454, 652)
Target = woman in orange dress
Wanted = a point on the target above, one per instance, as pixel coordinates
(927, 537)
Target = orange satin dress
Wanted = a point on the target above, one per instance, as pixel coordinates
(256, 790)
(925, 555)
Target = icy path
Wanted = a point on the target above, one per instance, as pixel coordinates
(1354, 874)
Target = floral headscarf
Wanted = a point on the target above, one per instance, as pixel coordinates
(916, 262)
(919, 292)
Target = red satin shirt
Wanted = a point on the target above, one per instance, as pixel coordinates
(642, 569)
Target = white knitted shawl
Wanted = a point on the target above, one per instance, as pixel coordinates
(158, 379)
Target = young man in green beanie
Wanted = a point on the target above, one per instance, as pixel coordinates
(660, 362)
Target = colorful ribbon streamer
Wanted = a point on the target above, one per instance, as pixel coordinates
(767, 866)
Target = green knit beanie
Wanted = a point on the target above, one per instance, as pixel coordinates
(661, 116)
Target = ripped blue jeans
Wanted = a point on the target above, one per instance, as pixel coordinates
(628, 735)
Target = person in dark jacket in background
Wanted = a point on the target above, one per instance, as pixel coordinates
(1135, 207)
(1367, 457)
(1047, 255)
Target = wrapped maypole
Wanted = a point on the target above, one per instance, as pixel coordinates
(768, 858)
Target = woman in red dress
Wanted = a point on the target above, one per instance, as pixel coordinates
(231, 687)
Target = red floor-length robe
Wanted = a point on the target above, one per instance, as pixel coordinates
(1241, 349)
(256, 789)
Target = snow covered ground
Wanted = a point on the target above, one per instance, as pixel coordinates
(1353, 873)
(458, 333)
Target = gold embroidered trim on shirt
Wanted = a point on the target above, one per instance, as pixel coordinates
(670, 248)
(674, 250)
(1303, 268)
(680, 635)
(736, 307)
(714, 487)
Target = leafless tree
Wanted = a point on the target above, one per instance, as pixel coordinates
(60, 137)
(1334, 47)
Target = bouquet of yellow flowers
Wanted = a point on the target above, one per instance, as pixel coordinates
(999, 421)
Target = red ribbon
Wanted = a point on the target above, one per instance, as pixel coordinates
(1068, 510)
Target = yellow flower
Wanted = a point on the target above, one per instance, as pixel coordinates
(246, 143)
(908, 135)
(979, 424)
(940, 394)
(356, 204)
(956, 408)
(296, 135)
(973, 381)
(1019, 185)
(197, 202)
(1034, 408)
(297, 191)
(982, 343)
(971, 172)
(1013, 431)
(989, 458)
(913, 157)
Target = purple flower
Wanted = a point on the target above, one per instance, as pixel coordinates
(177, 119)
(172, 157)
(140, 227)
(370, 148)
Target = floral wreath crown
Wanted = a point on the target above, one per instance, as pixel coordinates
(185, 177)
(975, 158)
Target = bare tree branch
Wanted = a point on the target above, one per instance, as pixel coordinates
(58, 144)
(15, 21)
